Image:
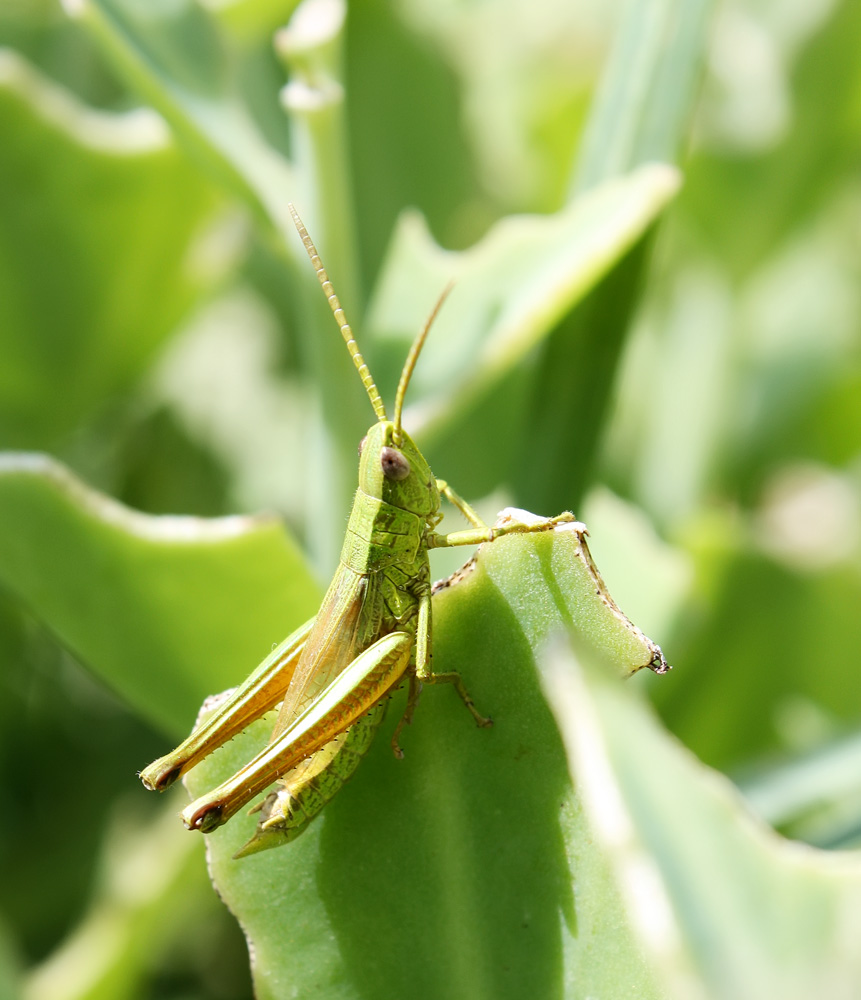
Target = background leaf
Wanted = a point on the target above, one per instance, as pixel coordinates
(492, 322)
(90, 286)
(158, 617)
(722, 906)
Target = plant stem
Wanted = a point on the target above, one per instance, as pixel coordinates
(314, 102)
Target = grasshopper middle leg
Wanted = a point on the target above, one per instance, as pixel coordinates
(424, 675)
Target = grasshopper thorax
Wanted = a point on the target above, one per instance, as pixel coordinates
(396, 474)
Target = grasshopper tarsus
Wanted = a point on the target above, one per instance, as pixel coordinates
(206, 821)
(405, 720)
(482, 721)
(658, 662)
(156, 780)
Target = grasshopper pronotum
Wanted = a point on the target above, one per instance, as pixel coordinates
(333, 674)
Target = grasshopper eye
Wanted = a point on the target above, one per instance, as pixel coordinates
(362, 445)
(394, 463)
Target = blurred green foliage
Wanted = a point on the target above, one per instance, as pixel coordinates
(691, 387)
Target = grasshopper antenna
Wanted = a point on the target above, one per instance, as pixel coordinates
(410, 363)
(340, 318)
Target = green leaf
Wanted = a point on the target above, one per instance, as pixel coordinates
(511, 289)
(722, 906)
(96, 263)
(450, 873)
(164, 609)
(640, 115)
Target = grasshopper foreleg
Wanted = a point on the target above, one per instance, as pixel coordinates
(479, 535)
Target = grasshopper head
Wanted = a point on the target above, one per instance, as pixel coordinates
(396, 473)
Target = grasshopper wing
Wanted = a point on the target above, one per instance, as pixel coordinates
(333, 643)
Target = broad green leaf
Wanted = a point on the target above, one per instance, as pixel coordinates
(463, 870)
(511, 289)
(640, 115)
(164, 609)
(722, 906)
(96, 259)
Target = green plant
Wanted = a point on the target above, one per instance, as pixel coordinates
(162, 337)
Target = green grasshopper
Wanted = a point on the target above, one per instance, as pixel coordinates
(332, 675)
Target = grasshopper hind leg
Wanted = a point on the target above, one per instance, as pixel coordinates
(307, 788)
